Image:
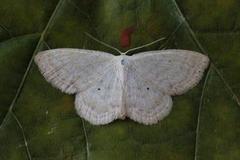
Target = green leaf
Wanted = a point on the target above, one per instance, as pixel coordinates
(39, 122)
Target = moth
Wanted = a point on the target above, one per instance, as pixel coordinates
(110, 87)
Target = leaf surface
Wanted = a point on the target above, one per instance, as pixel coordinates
(39, 122)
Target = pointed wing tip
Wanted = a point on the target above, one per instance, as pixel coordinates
(39, 56)
(204, 61)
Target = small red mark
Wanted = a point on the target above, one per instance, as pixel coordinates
(125, 38)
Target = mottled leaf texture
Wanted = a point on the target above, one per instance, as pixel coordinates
(39, 122)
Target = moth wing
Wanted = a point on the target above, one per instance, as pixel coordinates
(73, 70)
(172, 71)
(153, 76)
(102, 102)
(144, 102)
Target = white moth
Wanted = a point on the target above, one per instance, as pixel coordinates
(109, 87)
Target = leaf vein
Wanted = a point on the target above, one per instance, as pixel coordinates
(19, 90)
(23, 134)
(86, 140)
(199, 112)
(197, 42)
(204, 51)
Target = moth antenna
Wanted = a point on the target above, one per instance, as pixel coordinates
(145, 45)
(103, 43)
(124, 53)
